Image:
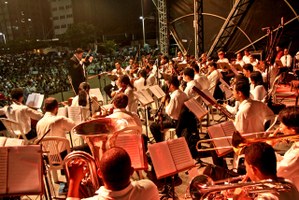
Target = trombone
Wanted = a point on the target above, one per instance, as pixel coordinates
(239, 141)
(203, 187)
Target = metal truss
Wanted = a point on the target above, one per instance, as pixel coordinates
(234, 18)
(163, 26)
(198, 28)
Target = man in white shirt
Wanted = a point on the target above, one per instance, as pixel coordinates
(221, 57)
(260, 163)
(21, 113)
(172, 110)
(286, 61)
(115, 169)
(200, 78)
(188, 76)
(251, 114)
(58, 125)
(246, 57)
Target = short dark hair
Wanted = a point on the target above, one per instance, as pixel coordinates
(174, 81)
(262, 156)
(16, 93)
(79, 50)
(120, 100)
(50, 104)
(256, 76)
(248, 67)
(125, 80)
(195, 67)
(244, 87)
(290, 117)
(212, 64)
(84, 86)
(115, 166)
(188, 71)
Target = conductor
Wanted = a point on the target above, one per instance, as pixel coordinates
(77, 68)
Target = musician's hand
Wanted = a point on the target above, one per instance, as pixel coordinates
(90, 59)
(77, 173)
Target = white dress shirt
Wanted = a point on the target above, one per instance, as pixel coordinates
(213, 78)
(258, 93)
(288, 167)
(139, 83)
(58, 126)
(189, 91)
(251, 116)
(21, 114)
(132, 118)
(177, 99)
(203, 81)
(286, 60)
(142, 189)
(132, 104)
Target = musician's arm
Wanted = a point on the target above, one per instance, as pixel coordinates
(76, 175)
(33, 114)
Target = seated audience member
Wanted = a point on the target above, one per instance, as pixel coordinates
(84, 99)
(120, 102)
(21, 113)
(115, 170)
(288, 165)
(251, 114)
(260, 163)
(258, 92)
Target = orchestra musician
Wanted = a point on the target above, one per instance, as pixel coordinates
(126, 87)
(85, 100)
(251, 114)
(200, 78)
(21, 113)
(288, 164)
(141, 82)
(260, 163)
(172, 110)
(188, 76)
(77, 68)
(118, 71)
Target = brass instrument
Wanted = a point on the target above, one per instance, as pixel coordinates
(100, 135)
(203, 187)
(242, 142)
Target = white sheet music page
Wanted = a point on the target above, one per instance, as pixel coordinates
(216, 131)
(207, 93)
(162, 159)
(75, 113)
(180, 153)
(35, 100)
(132, 143)
(10, 142)
(62, 111)
(25, 170)
(3, 169)
(195, 107)
(157, 91)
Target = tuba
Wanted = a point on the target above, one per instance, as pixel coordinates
(100, 134)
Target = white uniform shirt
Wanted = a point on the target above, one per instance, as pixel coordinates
(213, 78)
(251, 116)
(132, 104)
(58, 126)
(137, 190)
(258, 93)
(203, 81)
(139, 84)
(177, 99)
(189, 91)
(288, 167)
(132, 118)
(21, 114)
(286, 60)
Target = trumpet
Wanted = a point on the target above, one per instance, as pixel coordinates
(203, 187)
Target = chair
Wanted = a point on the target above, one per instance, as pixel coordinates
(52, 146)
(14, 130)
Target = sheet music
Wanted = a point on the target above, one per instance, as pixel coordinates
(25, 170)
(62, 111)
(207, 93)
(96, 92)
(180, 153)
(163, 162)
(216, 131)
(195, 107)
(74, 113)
(132, 143)
(234, 70)
(157, 91)
(3, 169)
(10, 142)
(35, 100)
(144, 97)
(226, 90)
(2, 141)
